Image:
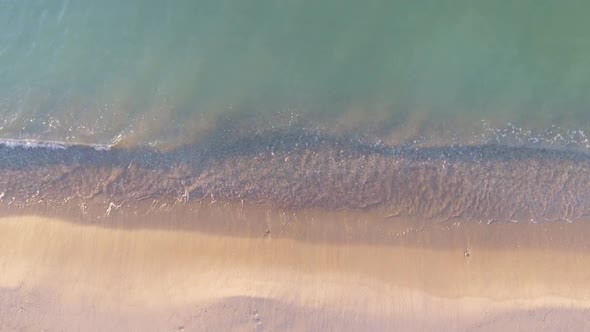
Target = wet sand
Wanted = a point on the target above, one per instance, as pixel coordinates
(60, 275)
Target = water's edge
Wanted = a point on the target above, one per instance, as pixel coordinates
(299, 170)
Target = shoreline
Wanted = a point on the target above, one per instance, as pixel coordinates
(305, 171)
(315, 226)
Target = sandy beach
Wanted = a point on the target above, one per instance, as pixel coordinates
(58, 275)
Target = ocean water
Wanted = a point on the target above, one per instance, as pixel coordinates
(144, 72)
(429, 109)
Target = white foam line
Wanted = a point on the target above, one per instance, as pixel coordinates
(52, 145)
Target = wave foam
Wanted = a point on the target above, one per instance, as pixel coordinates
(52, 145)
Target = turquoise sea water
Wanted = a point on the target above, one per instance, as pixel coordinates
(152, 72)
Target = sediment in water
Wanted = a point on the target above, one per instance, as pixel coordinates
(301, 170)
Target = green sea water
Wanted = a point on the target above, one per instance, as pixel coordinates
(156, 72)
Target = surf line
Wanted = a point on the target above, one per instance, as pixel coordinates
(308, 170)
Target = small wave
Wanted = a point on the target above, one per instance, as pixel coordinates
(51, 145)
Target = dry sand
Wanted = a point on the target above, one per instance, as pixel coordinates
(63, 276)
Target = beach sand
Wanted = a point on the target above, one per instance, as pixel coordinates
(59, 275)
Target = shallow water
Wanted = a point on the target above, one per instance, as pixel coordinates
(297, 170)
(149, 73)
